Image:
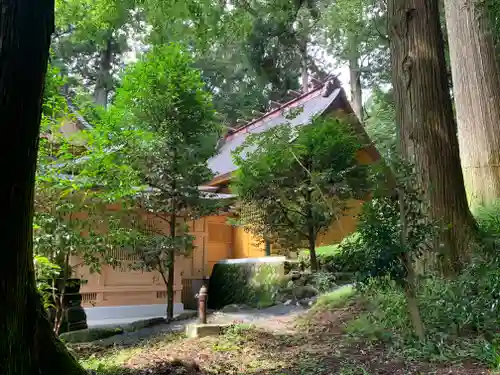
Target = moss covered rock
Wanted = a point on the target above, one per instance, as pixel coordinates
(89, 334)
(254, 282)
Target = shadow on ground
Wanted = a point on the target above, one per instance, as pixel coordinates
(320, 349)
(165, 368)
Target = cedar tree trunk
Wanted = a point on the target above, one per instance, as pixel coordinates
(476, 85)
(27, 345)
(427, 129)
(355, 79)
(102, 85)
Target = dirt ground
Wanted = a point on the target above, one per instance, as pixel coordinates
(275, 346)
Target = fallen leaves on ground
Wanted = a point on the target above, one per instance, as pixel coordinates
(313, 349)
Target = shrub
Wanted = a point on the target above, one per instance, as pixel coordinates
(461, 316)
(251, 283)
(323, 281)
(333, 260)
(488, 219)
(45, 272)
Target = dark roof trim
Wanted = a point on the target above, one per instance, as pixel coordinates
(81, 122)
(330, 83)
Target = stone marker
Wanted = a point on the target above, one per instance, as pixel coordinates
(202, 330)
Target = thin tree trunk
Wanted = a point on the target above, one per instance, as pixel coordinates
(312, 254)
(28, 345)
(427, 130)
(60, 300)
(304, 65)
(171, 266)
(410, 284)
(311, 230)
(476, 83)
(102, 85)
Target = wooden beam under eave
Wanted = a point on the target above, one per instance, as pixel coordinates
(221, 179)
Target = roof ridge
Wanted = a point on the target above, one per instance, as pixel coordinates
(328, 79)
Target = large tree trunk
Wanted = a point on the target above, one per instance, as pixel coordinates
(102, 86)
(356, 90)
(28, 345)
(476, 85)
(427, 130)
(355, 77)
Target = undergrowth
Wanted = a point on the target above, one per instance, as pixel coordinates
(461, 317)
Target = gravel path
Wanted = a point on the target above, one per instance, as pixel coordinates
(272, 318)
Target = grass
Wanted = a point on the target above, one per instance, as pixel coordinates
(320, 342)
(338, 298)
(323, 250)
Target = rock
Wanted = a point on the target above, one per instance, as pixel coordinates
(312, 301)
(185, 315)
(140, 324)
(306, 302)
(234, 308)
(90, 334)
(305, 291)
(288, 302)
(203, 330)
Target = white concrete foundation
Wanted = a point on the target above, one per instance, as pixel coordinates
(113, 315)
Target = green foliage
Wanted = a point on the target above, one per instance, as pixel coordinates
(461, 316)
(357, 30)
(338, 298)
(69, 213)
(488, 220)
(248, 52)
(378, 250)
(381, 123)
(331, 260)
(298, 181)
(54, 105)
(69, 219)
(45, 274)
(252, 284)
(91, 38)
(492, 11)
(157, 138)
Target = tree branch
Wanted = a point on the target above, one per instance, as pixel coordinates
(289, 221)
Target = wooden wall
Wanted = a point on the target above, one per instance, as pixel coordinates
(124, 286)
(342, 227)
(247, 245)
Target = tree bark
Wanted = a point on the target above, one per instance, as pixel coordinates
(312, 254)
(355, 80)
(410, 283)
(476, 83)
(171, 266)
(102, 85)
(28, 345)
(427, 130)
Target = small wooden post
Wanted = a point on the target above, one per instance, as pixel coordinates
(202, 305)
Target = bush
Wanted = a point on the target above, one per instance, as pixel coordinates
(334, 261)
(251, 283)
(461, 317)
(488, 220)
